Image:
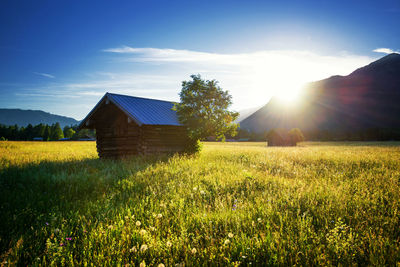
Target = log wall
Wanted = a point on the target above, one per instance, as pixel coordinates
(117, 136)
(162, 139)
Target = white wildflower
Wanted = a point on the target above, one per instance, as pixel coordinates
(194, 250)
(138, 223)
(230, 235)
(142, 232)
(143, 248)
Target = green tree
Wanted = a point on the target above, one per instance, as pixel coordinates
(69, 132)
(47, 133)
(29, 132)
(296, 135)
(57, 132)
(204, 110)
(38, 130)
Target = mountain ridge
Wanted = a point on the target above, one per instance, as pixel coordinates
(366, 98)
(23, 117)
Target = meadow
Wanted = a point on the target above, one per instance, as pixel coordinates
(233, 204)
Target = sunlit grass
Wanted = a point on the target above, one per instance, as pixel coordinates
(235, 203)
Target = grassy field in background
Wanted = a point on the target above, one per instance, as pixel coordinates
(233, 204)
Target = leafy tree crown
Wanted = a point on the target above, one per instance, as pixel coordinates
(204, 109)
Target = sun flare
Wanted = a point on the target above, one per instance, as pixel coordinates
(288, 92)
(288, 96)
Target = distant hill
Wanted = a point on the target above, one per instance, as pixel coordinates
(367, 98)
(243, 114)
(34, 117)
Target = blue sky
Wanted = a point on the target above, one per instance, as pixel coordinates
(62, 56)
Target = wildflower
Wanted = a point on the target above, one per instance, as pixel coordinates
(85, 231)
(68, 238)
(230, 235)
(202, 192)
(244, 256)
(62, 244)
(143, 248)
(161, 265)
(142, 232)
(227, 241)
(47, 223)
(133, 250)
(234, 207)
(195, 188)
(138, 223)
(259, 220)
(194, 250)
(126, 217)
(159, 216)
(169, 244)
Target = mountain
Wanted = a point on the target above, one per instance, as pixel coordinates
(367, 98)
(34, 117)
(244, 113)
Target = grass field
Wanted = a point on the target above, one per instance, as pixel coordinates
(234, 204)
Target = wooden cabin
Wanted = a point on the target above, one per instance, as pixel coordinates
(280, 137)
(127, 125)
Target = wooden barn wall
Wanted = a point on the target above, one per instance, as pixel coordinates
(117, 138)
(162, 139)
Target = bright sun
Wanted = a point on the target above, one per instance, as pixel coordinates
(288, 93)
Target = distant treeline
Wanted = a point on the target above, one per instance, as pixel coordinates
(372, 134)
(43, 131)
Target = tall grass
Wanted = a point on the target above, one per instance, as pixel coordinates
(234, 204)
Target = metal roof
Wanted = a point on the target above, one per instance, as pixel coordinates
(142, 110)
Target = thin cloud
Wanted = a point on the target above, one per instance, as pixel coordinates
(385, 51)
(251, 78)
(45, 75)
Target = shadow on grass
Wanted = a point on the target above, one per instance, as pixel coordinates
(36, 196)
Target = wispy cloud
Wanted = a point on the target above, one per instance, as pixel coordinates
(45, 75)
(248, 76)
(251, 78)
(385, 51)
